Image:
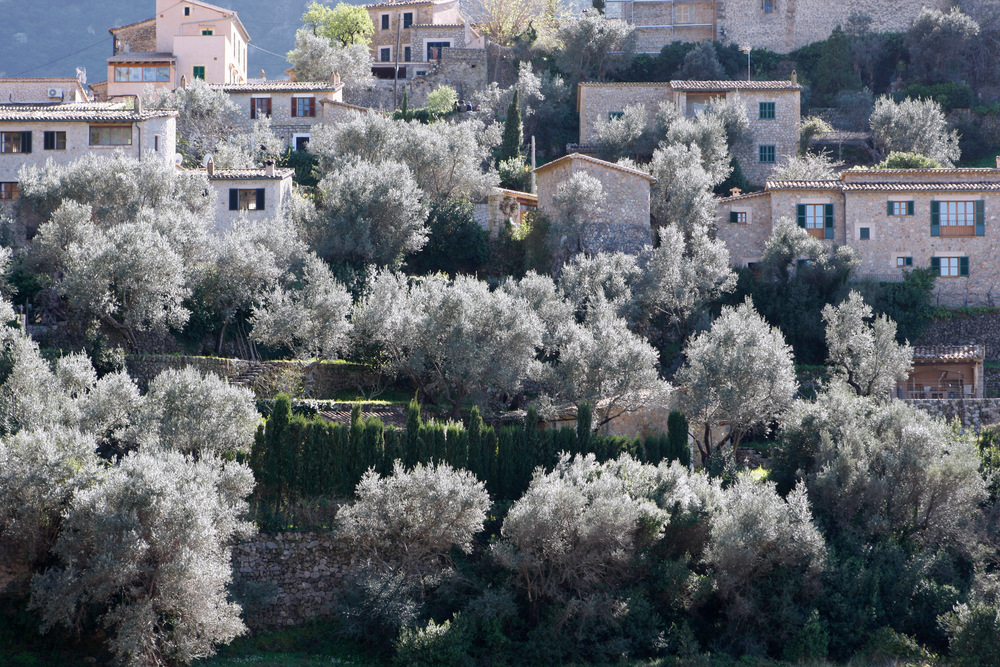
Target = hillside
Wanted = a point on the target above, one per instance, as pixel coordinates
(76, 34)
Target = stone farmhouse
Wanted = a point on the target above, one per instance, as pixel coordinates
(42, 90)
(185, 40)
(31, 135)
(294, 107)
(778, 25)
(250, 193)
(624, 224)
(774, 109)
(412, 35)
(947, 220)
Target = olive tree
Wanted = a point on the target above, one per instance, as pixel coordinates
(938, 41)
(593, 47)
(740, 371)
(578, 202)
(314, 58)
(864, 353)
(205, 117)
(682, 194)
(913, 126)
(145, 552)
(622, 136)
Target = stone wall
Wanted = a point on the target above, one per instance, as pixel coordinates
(745, 240)
(462, 69)
(136, 37)
(288, 578)
(973, 413)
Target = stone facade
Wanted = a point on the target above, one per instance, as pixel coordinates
(660, 22)
(463, 69)
(623, 224)
(139, 36)
(276, 185)
(36, 91)
(973, 413)
(773, 107)
(888, 244)
(282, 96)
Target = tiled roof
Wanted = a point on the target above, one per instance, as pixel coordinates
(920, 187)
(623, 84)
(594, 160)
(142, 57)
(277, 87)
(745, 195)
(713, 86)
(438, 25)
(409, 3)
(92, 112)
(803, 185)
(877, 173)
(246, 174)
(131, 25)
(948, 353)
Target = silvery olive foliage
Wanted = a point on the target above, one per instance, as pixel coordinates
(741, 371)
(914, 126)
(144, 551)
(452, 338)
(578, 203)
(622, 136)
(249, 148)
(315, 58)
(593, 47)
(806, 167)
(410, 520)
(766, 558)
(206, 116)
(863, 352)
(682, 194)
(307, 313)
(197, 415)
(707, 131)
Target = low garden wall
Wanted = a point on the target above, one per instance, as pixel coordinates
(973, 413)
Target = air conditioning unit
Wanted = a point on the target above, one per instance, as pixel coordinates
(56, 92)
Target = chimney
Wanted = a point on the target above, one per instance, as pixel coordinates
(184, 81)
(138, 106)
(263, 76)
(735, 192)
(335, 79)
(998, 161)
(794, 77)
(269, 168)
(210, 166)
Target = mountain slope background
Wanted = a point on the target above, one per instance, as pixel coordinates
(54, 37)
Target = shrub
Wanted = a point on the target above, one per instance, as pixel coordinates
(442, 99)
(444, 645)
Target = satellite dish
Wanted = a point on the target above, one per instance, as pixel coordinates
(205, 160)
(178, 159)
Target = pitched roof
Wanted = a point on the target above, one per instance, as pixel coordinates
(246, 174)
(594, 160)
(278, 87)
(948, 353)
(91, 111)
(803, 185)
(719, 86)
(518, 194)
(878, 173)
(142, 57)
(131, 25)
(408, 3)
(920, 187)
(744, 195)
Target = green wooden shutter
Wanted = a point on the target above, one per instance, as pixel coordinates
(828, 221)
(734, 216)
(909, 208)
(963, 267)
(888, 208)
(26, 142)
(980, 218)
(800, 211)
(260, 199)
(935, 218)
(234, 199)
(936, 265)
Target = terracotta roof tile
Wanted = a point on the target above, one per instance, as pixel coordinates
(594, 160)
(714, 86)
(278, 87)
(948, 353)
(745, 195)
(245, 174)
(93, 111)
(920, 187)
(142, 57)
(409, 3)
(804, 185)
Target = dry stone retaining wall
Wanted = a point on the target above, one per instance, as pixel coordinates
(973, 413)
(978, 329)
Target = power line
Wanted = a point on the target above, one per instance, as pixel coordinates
(267, 52)
(51, 62)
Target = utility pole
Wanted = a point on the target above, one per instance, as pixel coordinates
(534, 189)
(395, 69)
(746, 49)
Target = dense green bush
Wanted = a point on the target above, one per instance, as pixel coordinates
(948, 95)
(456, 243)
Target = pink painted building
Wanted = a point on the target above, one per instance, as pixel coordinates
(185, 40)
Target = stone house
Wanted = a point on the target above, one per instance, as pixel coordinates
(944, 371)
(33, 135)
(778, 25)
(186, 39)
(411, 35)
(624, 222)
(774, 109)
(294, 107)
(947, 220)
(42, 90)
(249, 193)
(503, 205)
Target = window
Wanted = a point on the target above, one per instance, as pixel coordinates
(950, 267)
(739, 217)
(110, 135)
(385, 21)
(900, 208)
(156, 143)
(683, 14)
(817, 219)
(55, 141)
(767, 6)
(199, 72)
(766, 111)
(385, 54)
(246, 200)
(187, 11)
(140, 74)
(407, 19)
(303, 107)
(865, 233)
(8, 191)
(301, 141)
(206, 32)
(767, 153)
(434, 49)
(260, 107)
(15, 142)
(407, 54)
(958, 218)
(903, 262)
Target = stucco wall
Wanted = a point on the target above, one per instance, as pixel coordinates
(597, 101)
(276, 193)
(282, 122)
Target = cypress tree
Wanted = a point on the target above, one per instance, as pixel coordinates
(584, 423)
(404, 110)
(677, 438)
(513, 137)
(413, 428)
(506, 467)
(475, 440)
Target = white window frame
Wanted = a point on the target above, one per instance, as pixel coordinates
(682, 14)
(300, 135)
(380, 50)
(423, 52)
